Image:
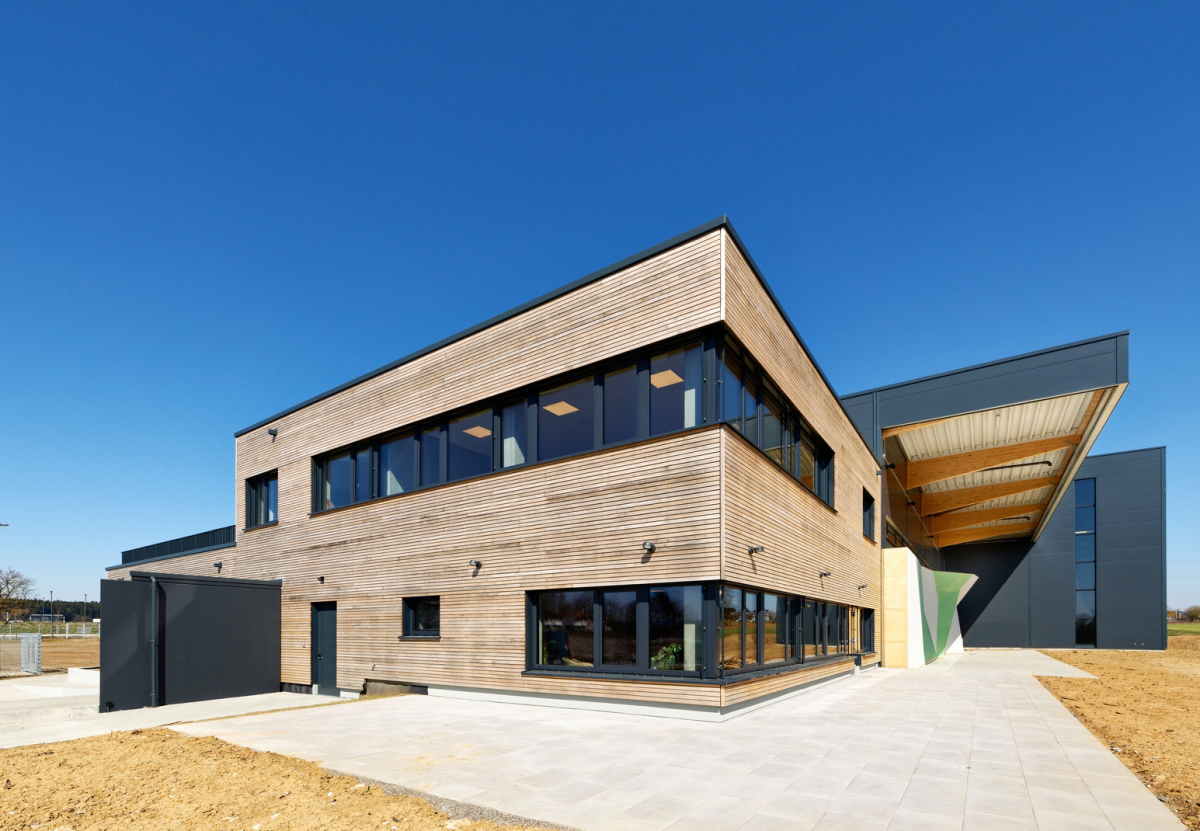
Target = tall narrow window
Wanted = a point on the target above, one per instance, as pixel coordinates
(514, 447)
(619, 633)
(431, 456)
(362, 474)
(751, 648)
(469, 444)
(868, 515)
(262, 499)
(1085, 562)
(620, 405)
(397, 466)
(774, 626)
(338, 481)
(676, 628)
(731, 628)
(731, 390)
(750, 397)
(809, 629)
(565, 424)
(675, 390)
(772, 429)
(566, 633)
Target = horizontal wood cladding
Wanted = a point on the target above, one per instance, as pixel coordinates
(800, 534)
(576, 522)
(671, 293)
(743, 691)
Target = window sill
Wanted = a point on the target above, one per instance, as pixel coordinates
(258, 527)
(737, 677)
(419, 637)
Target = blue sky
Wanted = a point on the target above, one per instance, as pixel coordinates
(210, 213)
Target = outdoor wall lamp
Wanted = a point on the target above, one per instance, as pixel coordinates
(321, 579)
(650, 547)
(863, 586)
(272, 432)
(756, 549)
(217, 566)
(825, 574)
(475, 563)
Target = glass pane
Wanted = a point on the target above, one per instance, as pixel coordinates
(272, 487)
(1085, 519)
(1085, 618)
(1085, 575)
(675, 390)
(807, 465)
(750, 402)
(396, 466)
(565, 420)
(810, 629)
(731, 628)
(675, 628)
(565, 636)
(339, 486)
(620, 405)
(1085, 548)
(751, 646)
(426, 614)
(362, 475)
(620, 628)
(431, 456)
(514, 448)
(470, 445)
(1085, 492)
(774, 623)
(731, 391)
(772, 427)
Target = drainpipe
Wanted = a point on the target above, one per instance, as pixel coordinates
(153, 642)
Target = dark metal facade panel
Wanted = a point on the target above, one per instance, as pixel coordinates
(1131, 604)
(125, 645)
(1061, 370)
(995, 611)
(192, 544)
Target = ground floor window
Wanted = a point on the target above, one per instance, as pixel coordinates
(422, 617)
(708, 629)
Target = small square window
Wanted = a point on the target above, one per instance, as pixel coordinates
(422, 617)
(262, 500)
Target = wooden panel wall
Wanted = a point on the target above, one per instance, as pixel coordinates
(763, 505)
(577, 522)
(672, 293)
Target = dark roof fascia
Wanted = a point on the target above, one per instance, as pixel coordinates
(206, 581)
(1161, 447)
(173, 556)
(987, 364)
(674, 242)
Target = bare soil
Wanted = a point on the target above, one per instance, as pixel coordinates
(63, 653)
(160, 779)
(1146, 707)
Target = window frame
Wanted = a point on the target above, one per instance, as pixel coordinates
(409, 613)
(1093, 562)
(868, 515)
(254, 486)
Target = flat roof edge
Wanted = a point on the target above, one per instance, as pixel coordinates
(950, 373)
(673, 242)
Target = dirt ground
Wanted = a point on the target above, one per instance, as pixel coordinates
(1146, 706)
(61, 653)
(160, 779)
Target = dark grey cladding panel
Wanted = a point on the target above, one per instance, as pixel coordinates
(1131, 606)
(995, 612)
(1061, 370)
(861, 409)
(1052, 580)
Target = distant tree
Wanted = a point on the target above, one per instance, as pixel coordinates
(14, 591)
(1192, 612)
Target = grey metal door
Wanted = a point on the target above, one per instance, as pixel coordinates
(324, 647)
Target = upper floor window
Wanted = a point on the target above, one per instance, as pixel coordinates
(262, 499)
(868, 515)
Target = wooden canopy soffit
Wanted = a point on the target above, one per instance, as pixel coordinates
(937, 503)
(972, 534)
(925, 471)
(965, 519)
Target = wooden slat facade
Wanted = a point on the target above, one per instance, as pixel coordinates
(702, 496)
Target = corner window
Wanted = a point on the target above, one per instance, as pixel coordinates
(868, 516)
(676, 627)
(675, 390)
(422, 617)
(262, 499)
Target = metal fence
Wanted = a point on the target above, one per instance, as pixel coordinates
(90, 629)
(20, 654)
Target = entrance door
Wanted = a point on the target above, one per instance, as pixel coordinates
(324, 648)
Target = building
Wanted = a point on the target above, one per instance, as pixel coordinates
(639, 490)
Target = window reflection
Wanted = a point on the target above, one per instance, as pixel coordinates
(675, 390)
(751, 624)
(431, 456)
(731, 391)
(620, 405)
(397, 471)
(731, 628)
(470, 445)
(750, 404)
(566, 635)
(513, 445)
(772, 428)
(362, 475)
(620, 628)
(565, 419)
(675, 628)
(339, 482)
(774, 624)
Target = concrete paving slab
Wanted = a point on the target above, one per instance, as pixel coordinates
(972, 743)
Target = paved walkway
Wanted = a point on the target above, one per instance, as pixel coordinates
(972, 742)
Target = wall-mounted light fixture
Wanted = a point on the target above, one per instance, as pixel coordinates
(217, 566)
(863, 586)
(475, 563)
(891, 466)
(321, 579)
(825, 574)
(879, 473)
(649, 546)
(756, 549)
(272, 432)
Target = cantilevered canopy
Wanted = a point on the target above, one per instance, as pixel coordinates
(999, 472)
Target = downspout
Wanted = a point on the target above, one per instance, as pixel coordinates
(153, 642)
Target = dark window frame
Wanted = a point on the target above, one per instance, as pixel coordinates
(868, 515)
(258, 487)
(1086, 533)
(409, 614)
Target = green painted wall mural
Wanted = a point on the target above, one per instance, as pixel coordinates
(941, 592)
